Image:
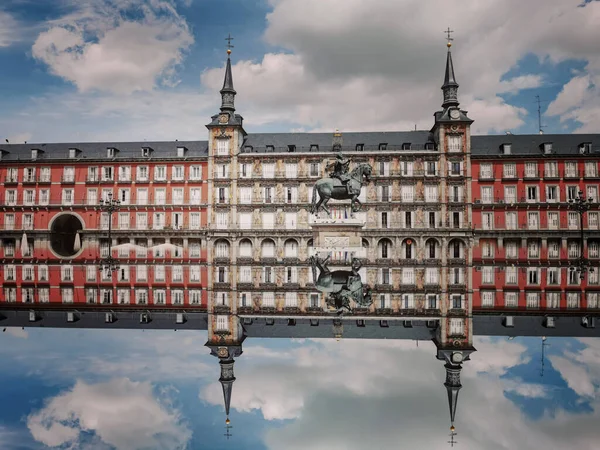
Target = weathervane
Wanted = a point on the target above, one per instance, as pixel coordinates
(229, 46)
(450, 38)
(227, 433)
(452, 434)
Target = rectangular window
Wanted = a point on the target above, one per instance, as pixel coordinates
(454, 143)
(487, 275)
(510, 194)
(9, 221)
(551, 169)
(67, 197)
(488, 220)
(456, 327)
(222, 220)
(553, 222)
(268, 221)
(44, 196)
(314, 169)
(158, 222)
(268, 194)
(552, 300)
(408, 193)
(552, 194)
(245, 195)
(532, 194)
(592, 300)
(573, 220)
(592, 193)
(571, 169)
(141, 221)
(510, 275)
(487, 299)
(142, 196)
(486, 171)
(533, 276)
(178, 196)
(553, 275)
(268, 170)
(222, 147)
(177, 173)
(431, 193)
(533, 220)
(160, 196)
(408, 276)
(553, 249)
(591, 169)
(195, 173)
(124, 221)
(142, 173)
(531, 170)
(511, 299)
(533, 300)
(573, 300)
(125, 173)
(160, 173)
(159, 296)
(291, 170)
(509, 170)
(511, 220)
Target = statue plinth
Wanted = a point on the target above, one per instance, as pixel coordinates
(339, 238)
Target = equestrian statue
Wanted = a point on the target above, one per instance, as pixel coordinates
(341, 285)
(341, 184)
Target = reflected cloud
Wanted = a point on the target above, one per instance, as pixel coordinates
(122, 413)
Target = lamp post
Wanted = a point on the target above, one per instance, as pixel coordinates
(581, 205)
(109, 205)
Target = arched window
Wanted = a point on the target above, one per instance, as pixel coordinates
(385, 249)
(268, 249)
(245, 249)
(222, 249)
(291, 248)
(408, 249)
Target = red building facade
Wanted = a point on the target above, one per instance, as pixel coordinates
(56, 234)
(527, 229)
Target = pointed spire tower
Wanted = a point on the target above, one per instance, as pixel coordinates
(228, 92)
(227, 378)
(450, 86)
(452, 386)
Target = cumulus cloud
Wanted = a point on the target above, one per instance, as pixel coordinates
(363, 69)
(116, 46)
(9, 29)
(124, 414)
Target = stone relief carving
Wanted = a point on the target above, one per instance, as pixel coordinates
(303, 193)
(279, 195)
(303, 218)
(257, 168)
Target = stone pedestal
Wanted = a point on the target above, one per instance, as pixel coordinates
(339, 238)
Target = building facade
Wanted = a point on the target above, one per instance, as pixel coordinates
(453, 223)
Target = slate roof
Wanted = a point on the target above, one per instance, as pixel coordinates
(98, 150)
(481, 146)
(529, 144)
(325, 141)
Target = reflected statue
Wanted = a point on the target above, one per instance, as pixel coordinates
(341, 285)
(341, 185)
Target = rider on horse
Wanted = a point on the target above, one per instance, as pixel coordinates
(340, 170)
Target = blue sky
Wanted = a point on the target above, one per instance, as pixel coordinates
(128, 389)
(151, 69)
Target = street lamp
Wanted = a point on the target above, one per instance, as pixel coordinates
(109, 205)
(581, 205)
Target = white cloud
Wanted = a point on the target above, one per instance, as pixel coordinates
(9, 29)
(121, 413)
(98, 47)
(520, 82)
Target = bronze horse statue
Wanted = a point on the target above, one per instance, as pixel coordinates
(329, 188)
(341, 285)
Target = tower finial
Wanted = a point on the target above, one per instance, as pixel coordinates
(226, 379)
(450, 86)
(229, 46)
(452, 385)
(450, 38)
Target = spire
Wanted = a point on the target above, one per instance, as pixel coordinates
(228, 92)
(452, 386)
(450, 87)
(227, 378)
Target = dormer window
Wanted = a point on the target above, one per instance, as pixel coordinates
(360, 147)
(547, 148)
(585, 147)
(314, 148)
(73, 153)
(270, 148)
(506, 149)
(406, 146)
(146, 152)
(248, 148)
(34, 153)
(2, 152)
(291, 148)
(111, 152)
(429, 146)
(181, 151)
(382, 146)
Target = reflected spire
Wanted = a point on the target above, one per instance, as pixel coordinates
(227, 378)
(452, 386)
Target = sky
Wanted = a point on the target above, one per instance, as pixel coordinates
(102, 70)
(158, 390)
